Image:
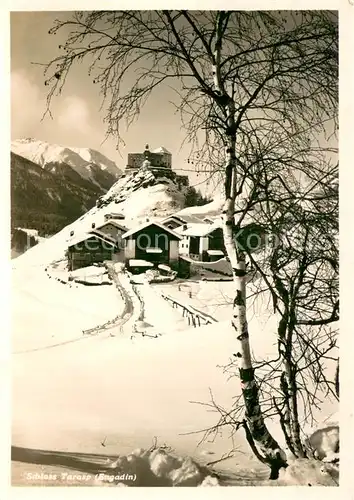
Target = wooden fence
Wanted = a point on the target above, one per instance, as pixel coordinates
(194, 317)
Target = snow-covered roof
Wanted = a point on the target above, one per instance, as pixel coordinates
(182, 219)
(153, 250)
(161, 149)
(135, 229)
(100, 234)
(211, 219)
(30, 232)
(83, 237)
(215, 252)
(197, 229)
(174, 218)
(140, 263)
(163, 267)
(114, 215)
(114, 223)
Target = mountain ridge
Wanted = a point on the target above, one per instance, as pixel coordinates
(47, 201)
(90, 164)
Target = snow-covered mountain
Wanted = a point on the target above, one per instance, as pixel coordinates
(90, 164)
(47, 201)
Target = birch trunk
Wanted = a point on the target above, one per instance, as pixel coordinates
(294, 426)
(273, 454)
(337, 379)
(288, 382)
(267, 444)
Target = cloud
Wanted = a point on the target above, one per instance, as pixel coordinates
(74, 114)
(71, 123)
(27, 105)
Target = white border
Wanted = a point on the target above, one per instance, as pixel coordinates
(346, 9)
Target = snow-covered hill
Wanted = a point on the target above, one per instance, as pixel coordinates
(143, 194)
(88, 163)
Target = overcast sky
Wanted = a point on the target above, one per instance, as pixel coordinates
(77, 120)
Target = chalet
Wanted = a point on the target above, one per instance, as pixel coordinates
(201, 241)
(92, 248)
(113, 216)
(175, 221)
(111, 228)
(151, 242)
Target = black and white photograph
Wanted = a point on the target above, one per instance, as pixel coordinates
(174, 182)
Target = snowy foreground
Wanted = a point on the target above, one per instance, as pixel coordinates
(81, 401)
(109, 395)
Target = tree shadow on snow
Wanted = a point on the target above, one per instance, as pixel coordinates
(83, 462)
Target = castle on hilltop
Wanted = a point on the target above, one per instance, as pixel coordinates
(158, 161)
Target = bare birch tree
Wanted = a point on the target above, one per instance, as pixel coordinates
(299, 273)
(234, 73)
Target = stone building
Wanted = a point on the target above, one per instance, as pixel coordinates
(158, 161)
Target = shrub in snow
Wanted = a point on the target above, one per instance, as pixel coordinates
(157, 468)
(210, 481)
(188, 474)
(161, 463)
(324, 443)
(305, 472)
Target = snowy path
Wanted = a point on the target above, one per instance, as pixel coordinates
(146, 312)
(159, 314)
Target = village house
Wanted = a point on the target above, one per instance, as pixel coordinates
(149, 244)
(175, 221)
(113, 216)
(111, 228)
(209, 220)
(201, 241)
(89, 249)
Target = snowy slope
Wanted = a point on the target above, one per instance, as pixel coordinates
(212, 209)
(144, 194)
(85, 161)
(111, 386)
